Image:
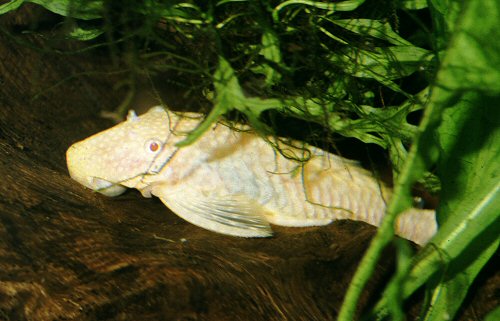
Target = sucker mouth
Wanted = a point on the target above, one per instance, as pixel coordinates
(105, 187)
(99, 183)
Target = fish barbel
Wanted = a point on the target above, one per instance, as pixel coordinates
(231, 180)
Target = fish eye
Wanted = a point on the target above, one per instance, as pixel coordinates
(153, 145)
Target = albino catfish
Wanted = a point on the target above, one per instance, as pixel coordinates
(231, 180)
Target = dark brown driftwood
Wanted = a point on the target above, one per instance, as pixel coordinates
(69, 254)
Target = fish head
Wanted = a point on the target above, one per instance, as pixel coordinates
(124, 155)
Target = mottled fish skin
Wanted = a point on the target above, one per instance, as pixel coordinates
(233, 181)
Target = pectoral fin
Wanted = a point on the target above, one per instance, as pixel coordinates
(232, 214)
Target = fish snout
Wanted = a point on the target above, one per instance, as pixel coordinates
(85, 171)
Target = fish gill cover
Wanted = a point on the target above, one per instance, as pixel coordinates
(368, 70)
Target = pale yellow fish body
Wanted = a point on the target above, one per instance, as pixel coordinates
(233, 181)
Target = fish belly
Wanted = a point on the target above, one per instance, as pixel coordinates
(317, 192)
(319, 198)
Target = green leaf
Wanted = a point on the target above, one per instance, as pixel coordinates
(10, 6)
(84, 34)
(89, 9)
(86, 10)
(462, 114)
(493, 315)
(470, 199)
(383, 64)
(413, 4)
(271, 51)
(373, 28)
(469, 139)
(181, 13)
(444, 15)
(228, 92)
(450, 289)
(473, 57)
(219, 3)
(347, 5)
(403, 265)
(416, 164)
(228, 96)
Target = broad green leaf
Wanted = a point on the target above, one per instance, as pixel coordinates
(172, 13)
(473, 57)
(311, 110)
(448, 11)
(469, 236)
(464, 105)
(182, 13)
(10, 6)
(272, 52)
(373, 28)
(383, 64)
(469, 139)
(347, 5)
(462, 113)
(86, 10)
(390, 123)
(83, 34)
(450, 289)
(413, 4)
(493, 315)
